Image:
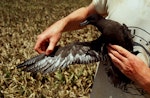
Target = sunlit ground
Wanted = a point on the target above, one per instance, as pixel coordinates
(20, 23)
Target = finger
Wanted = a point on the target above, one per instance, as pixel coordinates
(116, 54)
(116, 61)
(44, 45)
(50, 48)
(120, 50)
(38, 46)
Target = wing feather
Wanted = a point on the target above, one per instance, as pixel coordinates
(79, 53)
(31, 61)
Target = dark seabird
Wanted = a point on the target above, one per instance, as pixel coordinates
(86, 52)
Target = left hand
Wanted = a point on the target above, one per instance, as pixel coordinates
(129, 64)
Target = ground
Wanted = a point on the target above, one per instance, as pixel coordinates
(20, 23)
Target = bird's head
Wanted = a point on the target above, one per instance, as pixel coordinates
(92, 19)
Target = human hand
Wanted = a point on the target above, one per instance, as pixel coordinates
(47, 40)
(129, 64)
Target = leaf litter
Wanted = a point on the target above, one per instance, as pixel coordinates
(21, 21)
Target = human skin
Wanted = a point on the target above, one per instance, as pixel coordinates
(129, 64)
(47, 40)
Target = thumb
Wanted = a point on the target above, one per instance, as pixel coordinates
(50, 48)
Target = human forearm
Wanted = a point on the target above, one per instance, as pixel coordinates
(73, 20)
(48, 39)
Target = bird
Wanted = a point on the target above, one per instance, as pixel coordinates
(112, 32)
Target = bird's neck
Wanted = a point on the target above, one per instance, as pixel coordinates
(101, 24)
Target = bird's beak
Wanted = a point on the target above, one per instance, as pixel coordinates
(84, 23)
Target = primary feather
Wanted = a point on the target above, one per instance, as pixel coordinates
(86, 52)
(78, 52)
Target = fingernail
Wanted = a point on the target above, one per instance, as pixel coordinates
(109, 44)
(48, 52)
(110, 54)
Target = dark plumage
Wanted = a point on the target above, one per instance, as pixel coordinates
(86, 52)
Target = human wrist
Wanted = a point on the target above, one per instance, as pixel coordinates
(146, 83)
(64, 22)
(60, 25)
(143, 78)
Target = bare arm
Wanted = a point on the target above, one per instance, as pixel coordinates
(75, 18)
(48, 39)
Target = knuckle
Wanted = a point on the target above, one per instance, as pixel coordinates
(35, 48)
(120, 51)
(39, 36)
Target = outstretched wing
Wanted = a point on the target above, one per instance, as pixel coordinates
(79, 53)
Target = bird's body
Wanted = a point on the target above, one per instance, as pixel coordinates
(86, 52)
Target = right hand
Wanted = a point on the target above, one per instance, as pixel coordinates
(47, 40)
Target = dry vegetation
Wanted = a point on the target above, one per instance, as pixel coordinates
(20, 23)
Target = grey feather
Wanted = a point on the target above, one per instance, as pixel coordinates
(86, 52)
